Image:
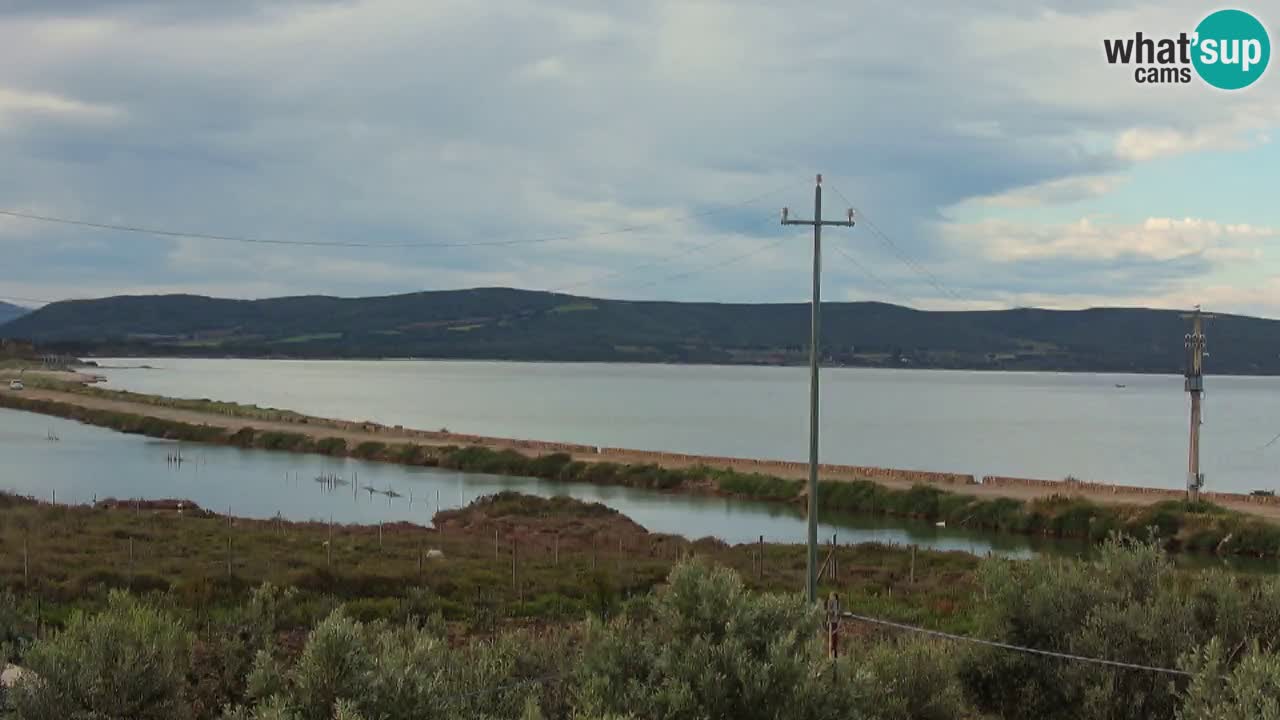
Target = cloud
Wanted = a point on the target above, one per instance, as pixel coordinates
(1161, 239)
(1057, 192)
(401, 121)
(18, 104)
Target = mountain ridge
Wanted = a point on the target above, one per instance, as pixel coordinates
(9, 311)
(513, 324)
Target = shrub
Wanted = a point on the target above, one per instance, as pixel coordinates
(549, 466)
(704, 647)
(368, 449)
(335, 446)
(1127, 605)
(1250, 689)
(128, 661)
(910, 679)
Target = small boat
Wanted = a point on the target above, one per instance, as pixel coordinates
(16, 385)
(940, 523)
(1120, 385)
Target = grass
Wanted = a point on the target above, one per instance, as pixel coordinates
(573, 558)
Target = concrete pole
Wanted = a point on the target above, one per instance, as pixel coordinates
(815, 348)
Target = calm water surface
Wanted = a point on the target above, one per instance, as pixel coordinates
(1042, 425)
(88, 463)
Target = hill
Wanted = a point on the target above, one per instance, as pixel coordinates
(11, 312)
(499, 323)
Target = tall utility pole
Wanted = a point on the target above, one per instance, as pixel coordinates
(1194, 344)
(811, 581)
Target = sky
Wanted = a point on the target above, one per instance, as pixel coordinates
(635, 150)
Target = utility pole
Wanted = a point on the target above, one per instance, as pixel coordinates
(811, 581)
(1193, 342)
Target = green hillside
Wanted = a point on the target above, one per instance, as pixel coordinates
(498, 323)
(9, 312)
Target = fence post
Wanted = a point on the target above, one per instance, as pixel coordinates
(913, 564)
(26, 575)
(556, 548)
(130, 562)
(594, 544)
(497, 553)
(833, 626)
(229, 571)
(328, 546)
(379, 534)
(515, 583)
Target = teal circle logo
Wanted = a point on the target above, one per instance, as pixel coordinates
(1231, 49)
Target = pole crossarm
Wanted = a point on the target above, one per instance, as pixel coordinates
(817, 223)
(825, 223)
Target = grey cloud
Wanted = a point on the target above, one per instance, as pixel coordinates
(399, 121)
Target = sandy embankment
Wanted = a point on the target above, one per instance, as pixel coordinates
(354, 433)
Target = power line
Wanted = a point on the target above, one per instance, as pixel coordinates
(137, 229)
(664, 261)
(864, 270)
(714, 266)
(898, 252)
(1014, 648)
(1271, 442)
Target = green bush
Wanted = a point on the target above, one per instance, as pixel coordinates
(335, 446)
(549, 466)
(282, 441)
(909, 679)
(1220, 691)
(1129, 605)
(127, 662)
(369, 449)
(702, 647)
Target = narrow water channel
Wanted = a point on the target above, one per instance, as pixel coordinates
(44, 457)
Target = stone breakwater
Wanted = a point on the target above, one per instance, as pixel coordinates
(1069, 487)
(667, 459)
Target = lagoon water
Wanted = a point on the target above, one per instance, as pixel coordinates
(1040, 425)
(87, 463)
